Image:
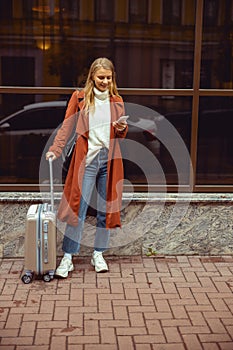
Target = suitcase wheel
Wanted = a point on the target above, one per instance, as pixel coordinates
(47, 277)
(27, 278)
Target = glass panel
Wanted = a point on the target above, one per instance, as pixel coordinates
(157, 145)
(70, 9)
(24, 135)
(61, 48)
(215, 142)
(158, 55)
(104, 10)
(217, 63)
(46, 41)
(171, 12)
(6, 10)
(211, 9)
(160, 132)
(138, 11)
(27, 9)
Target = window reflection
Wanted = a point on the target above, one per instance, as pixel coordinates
(104, 10)
(152, 150)
(171, 12)
(217, 44)
(63, 47)
(215, 142)
(25, 134)
(211, 10)
(6, 10)
(152, 46)
(138, 11)
(165, 133)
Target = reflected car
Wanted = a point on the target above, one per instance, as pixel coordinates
(24, 136)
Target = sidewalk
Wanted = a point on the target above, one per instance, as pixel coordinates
(142, 303)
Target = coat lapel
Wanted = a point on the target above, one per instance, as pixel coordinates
(83, 121)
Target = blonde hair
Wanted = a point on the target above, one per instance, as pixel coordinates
(101, 62)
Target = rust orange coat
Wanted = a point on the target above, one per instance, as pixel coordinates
(69, 205)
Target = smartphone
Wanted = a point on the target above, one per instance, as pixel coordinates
(122, 119)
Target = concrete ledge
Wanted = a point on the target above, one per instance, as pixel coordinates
(169, 224)
(34, 197)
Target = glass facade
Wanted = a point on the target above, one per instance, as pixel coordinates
(216, 57)
(173, 62)
(215, 151)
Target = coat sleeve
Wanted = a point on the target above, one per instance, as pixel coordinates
(67, 126)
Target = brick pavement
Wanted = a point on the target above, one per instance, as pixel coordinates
(142, 303)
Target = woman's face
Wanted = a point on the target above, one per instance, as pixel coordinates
(102, 79)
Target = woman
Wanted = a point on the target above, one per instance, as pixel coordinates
(96, 162)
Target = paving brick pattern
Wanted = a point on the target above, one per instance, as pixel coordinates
(142, 303)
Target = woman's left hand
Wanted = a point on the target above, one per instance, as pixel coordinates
(119, 126)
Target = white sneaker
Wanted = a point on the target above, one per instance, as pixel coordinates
(65, 267)
(98, 262)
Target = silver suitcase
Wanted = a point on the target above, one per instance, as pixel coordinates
(40, 239)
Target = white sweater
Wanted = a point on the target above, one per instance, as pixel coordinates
(99, 125)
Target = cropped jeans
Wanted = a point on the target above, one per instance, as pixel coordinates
(95, 175)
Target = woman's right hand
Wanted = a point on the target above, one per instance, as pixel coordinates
(50, 155)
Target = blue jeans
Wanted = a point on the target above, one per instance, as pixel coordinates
(95, 174)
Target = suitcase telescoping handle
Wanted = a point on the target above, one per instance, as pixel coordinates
(51, 182)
